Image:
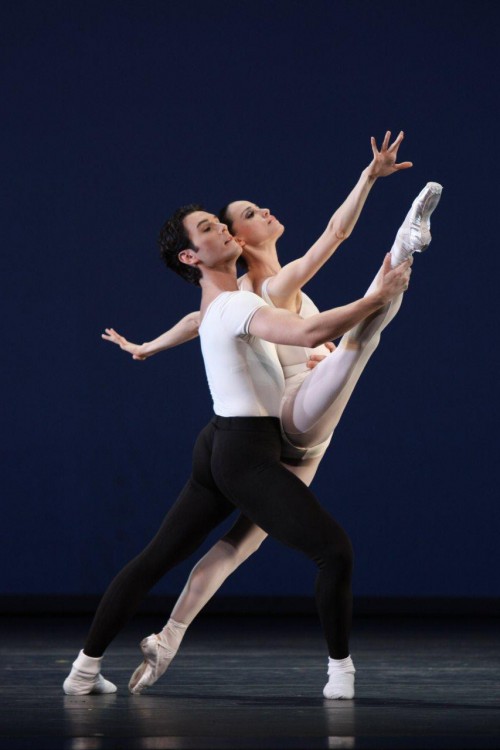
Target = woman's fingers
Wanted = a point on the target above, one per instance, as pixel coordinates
(398, 140)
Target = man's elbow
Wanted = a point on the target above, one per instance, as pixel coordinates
(310, 338)
(315, 341)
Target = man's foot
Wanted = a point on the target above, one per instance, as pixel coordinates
(414, 235)
(85, 678)
(340, 685)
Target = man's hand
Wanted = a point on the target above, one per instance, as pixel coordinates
(393, 281)
(384, 161)
(315, 359)
(136, 350)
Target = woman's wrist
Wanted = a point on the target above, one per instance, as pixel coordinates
(369, 172)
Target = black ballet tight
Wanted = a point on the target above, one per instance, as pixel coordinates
(236, 464)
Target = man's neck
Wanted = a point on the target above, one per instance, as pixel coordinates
(214, 282)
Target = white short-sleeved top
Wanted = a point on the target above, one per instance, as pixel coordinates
(244, 373)
(294, 358)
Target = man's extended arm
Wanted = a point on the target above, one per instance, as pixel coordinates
(283, 327)
(292, 277)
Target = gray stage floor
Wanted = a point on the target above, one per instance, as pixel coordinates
(257, 683)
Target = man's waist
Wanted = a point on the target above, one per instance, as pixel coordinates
(256, 424)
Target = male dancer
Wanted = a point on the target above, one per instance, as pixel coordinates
(236, 460)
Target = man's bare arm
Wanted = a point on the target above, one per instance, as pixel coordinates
(283, 327)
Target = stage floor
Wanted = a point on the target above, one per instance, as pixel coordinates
(256, 682)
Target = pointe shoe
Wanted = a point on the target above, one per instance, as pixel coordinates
(157, 658)
(414, 235)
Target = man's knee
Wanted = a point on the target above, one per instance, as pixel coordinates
(339, 556)
(242, 548)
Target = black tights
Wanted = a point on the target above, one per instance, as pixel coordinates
(236, 463)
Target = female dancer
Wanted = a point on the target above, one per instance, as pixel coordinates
(313, 402)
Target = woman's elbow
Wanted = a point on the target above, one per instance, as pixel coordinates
(339, 231)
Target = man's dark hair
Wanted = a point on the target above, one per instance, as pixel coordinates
(225, 219)
(173, 238)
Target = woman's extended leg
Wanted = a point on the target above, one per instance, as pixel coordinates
(314, 404)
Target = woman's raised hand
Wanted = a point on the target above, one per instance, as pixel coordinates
(384, 161)
(136, 350)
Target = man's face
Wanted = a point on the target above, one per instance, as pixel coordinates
(211, 239)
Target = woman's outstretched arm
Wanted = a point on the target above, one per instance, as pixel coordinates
(292, 277)
(185, 330)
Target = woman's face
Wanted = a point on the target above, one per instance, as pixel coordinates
(252, 224)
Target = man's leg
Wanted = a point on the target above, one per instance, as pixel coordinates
(199, 508)
(246, 468)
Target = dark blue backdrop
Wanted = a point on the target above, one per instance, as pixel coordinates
(115, 112)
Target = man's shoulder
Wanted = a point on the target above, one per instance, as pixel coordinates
(242, 297)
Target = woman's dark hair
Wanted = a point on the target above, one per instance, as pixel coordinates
(223, 214)
(173, 238)
(224, 218)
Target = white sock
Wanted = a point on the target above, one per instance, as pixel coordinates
(85, 677)
(340, 683)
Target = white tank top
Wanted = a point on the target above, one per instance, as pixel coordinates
(244, 373)
(294, 358)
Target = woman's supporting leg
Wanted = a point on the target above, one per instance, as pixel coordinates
(241, 541)
(206, 578)
(211, 571)
(246, 467)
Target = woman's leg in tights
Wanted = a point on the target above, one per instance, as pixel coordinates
(241, 541)
(312, 410)
(246, 467)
